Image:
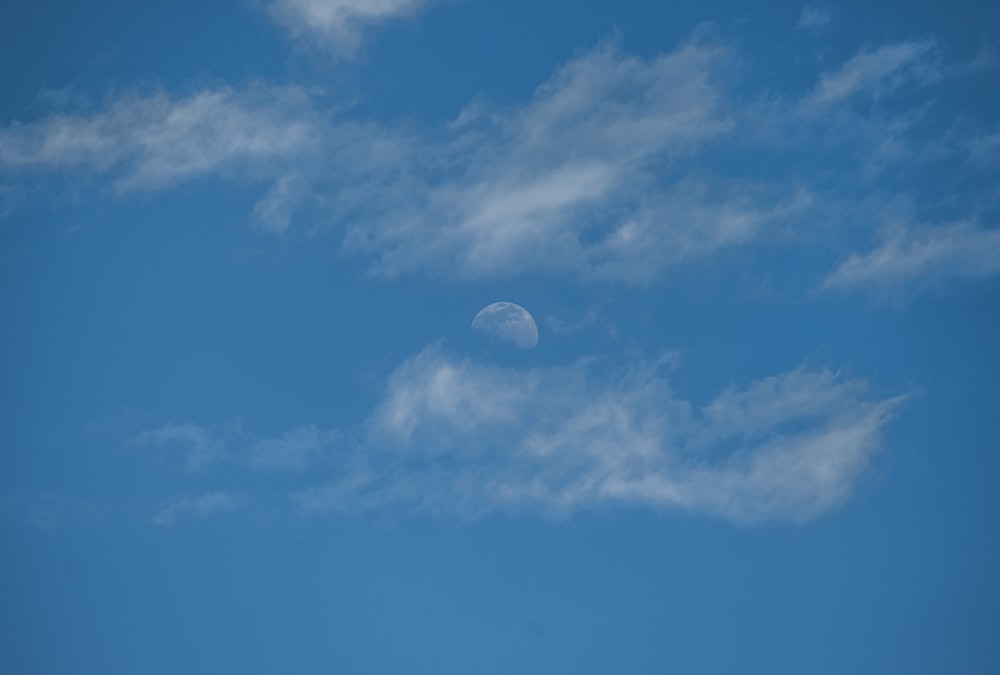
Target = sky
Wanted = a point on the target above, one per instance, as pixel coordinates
(248, 427)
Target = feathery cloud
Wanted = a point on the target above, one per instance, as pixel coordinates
(198, 446)
(338, 26)
(585, 179)
(918, 257)
(155, 141)
(876, 71)
(617, 169)
(459, 438)
(814, 17)
(197, 506)
(293, 450)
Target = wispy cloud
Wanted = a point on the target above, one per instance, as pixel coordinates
(590, 319)
(617, 168)
(198, 446)
(197, 506)
(273, 213)
(983, 149)
(294, 450)
(459, 438)
(920, 257)
(338, 26)
(876, 72)
(584, 179)
(814, 17)
(154, 141)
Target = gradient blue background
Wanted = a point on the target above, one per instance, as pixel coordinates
(123, 312)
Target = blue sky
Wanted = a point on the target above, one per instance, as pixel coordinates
(248, 429)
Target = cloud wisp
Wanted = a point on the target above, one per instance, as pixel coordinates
(814, 18)
(876, 72)
(156, 141)
(585, 179)
(338, 26)
(195, 448)
(198, 447)
(457, 438)
(199, 506)
(918, 258)
(617, 169)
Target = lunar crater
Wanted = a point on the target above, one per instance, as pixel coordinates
(507, 322)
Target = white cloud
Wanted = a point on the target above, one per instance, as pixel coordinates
(983, 149)
(590, 320)
(197, 506)
(584, 179)
(274, 212)
(617, 169)
(155, 141)
(603, 174)
(685, 223)
(339, 25)
(876, 72)
(459, 438)
(919, 257)
(199, 446)
(294, 450)
(814, 17)
(462, 439)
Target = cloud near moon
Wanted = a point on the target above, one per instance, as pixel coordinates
(507, 322)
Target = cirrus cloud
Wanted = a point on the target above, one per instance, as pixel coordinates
(911, 257)
(154, 141)
(200, 506)
(616, 169)
(338, 26)
(459, 438)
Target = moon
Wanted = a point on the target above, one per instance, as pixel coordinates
(507, 322)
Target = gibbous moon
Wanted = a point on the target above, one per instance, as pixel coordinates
(507, 322)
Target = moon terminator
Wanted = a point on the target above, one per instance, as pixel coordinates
(507, 322)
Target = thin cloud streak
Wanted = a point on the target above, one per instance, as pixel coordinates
(585, 179)
(196, 447)
(295, 450)
(338, 26)
(876, 72)
(814, 18)
(156, 141)
(919, 257)
(197, 506)
(274, 212)
(613, 171)
(456, 438)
